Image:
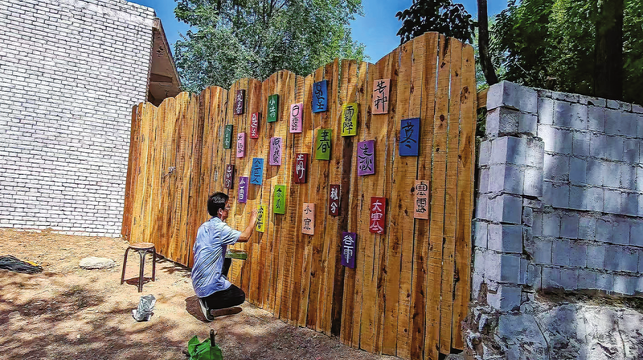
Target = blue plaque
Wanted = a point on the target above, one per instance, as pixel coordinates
(256, 172)
(410, 137)
(320, 96)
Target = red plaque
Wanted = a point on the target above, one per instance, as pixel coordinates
(333, 200)
(254, 125)
(301, 168)
(378, 215)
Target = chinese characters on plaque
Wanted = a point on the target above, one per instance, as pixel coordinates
(320, 96)
(333, 200)
(256, 172)
(308, 219)
(241, 145)
(273, 107)
(227, 179)
(349, 247)
(238, 102)
(296, 123)
(322, 145)
(349, 119)
(421, 199)
(279, 201)
(380, 96)
(366, 158)
(275, 151)
(261, 218)
(227, 137)
(301, 168)
(254, 125)
(243, 189)
(410, 137)
(378, 215)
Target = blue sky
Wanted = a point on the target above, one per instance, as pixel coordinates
(376, 29)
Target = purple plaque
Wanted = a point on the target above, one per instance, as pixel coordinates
(276, 144)
(243, 189)
(239, 102)
(366, 157)
(349, 248)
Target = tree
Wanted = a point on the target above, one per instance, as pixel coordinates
(573, 46)
(483, 44)
(435, 15)
(255, 38)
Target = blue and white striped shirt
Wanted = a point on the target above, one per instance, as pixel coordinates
(212, 240)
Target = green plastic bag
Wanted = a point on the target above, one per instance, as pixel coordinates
(204, 350)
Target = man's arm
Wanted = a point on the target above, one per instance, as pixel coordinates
(245, 234)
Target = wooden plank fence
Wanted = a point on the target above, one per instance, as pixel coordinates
(409, 290)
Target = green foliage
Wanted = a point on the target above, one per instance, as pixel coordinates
(255, 38)
(435, 15)
(550, 44)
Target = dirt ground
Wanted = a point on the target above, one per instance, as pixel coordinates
(66, 312)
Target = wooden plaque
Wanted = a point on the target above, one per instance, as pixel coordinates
(378, 215)
(381, 89)
(308, 219)
(333, 200)
(276, 146)
(410, 137)
(228, 177)
(296, 123)
(300, 170)
(279, 199)
(349, 119)
(349, 249)
(239, 102)
(366, 158)
(262, 217)
(243, 189)
(320, 96)
(323, 144)
(241, 145)
(273, 107)
(421, 199)
(227, 137)
(254, 125)
(256, 172)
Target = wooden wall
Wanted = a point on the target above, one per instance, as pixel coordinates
(410, 288)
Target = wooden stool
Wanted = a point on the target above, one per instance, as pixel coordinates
(142, 249)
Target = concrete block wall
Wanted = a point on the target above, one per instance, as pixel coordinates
(70, 70)
(560, 196)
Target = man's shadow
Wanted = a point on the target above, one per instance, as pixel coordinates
(193, 308)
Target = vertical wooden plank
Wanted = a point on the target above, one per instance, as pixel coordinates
(421, 252)
(126, 225)
(438, 187)
(446, 298)
(466, 168)
(405, 170)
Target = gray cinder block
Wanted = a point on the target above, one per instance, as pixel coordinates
(551, 278)
(577, 198)
(560, 193)
(527, 216)
(611, 174)
(630, 204)
(596, 256)
(631, 151)
(569, 278)
(621, 232)
(586, 279)
(594, 172)
(512, 96)
(548, 135)
(569, 226)
(535, 153)
(580, 146)
(480, 233)
(624, 284)
(485, 152)
(556, 167)
(596, 118)
(545, 111)
(564, 141)
(551, 224)
(483, 183)
(605, 282)
(636, 234)
(560, 252)
(505, 238)
(587, 227)
(542, 251)
(506, 298)
(614, 148)
(612, 200)
(597, 145)
(578, 254)
(577, 171)
(604, 230)
(533, 182)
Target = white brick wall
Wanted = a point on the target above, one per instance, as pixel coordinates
(70, 72)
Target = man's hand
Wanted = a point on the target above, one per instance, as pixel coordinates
(253, 217)
(245, 235)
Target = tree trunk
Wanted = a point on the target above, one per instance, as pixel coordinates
(483, 44)
(608, 76)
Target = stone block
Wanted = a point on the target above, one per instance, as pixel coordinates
(506, 209)
(630, 204)
(597, 102)
(640, 270)
(569, 226)
(502, 121)
(640, 205)
(534, 275)
(604, 230)
(614, 146)
(528, 124)
(594, 172)
(580, 147)
(586, 279)
(545, 111)
(548, 136)
(560, 194)
(479, 260)
(577, 171)
(631, 151)
(596, 256)
(527, 216)
(506, 298)
(563, 114)
(611, 174)
(624, 284)
(612, 201)
(533, 182)
(542, 251)
(564, 142)
(506, 178)
(639, 123)
(505, 238)
(596, 118)
(577, 198)
(535, 153)
(597, 145)
(569, 279)
(502, 267)
(636, 233)
(480, 233)
(637, 109)
(560, 253)
(551, 224)
(537, 227)
(524, 263)
(612, 104)
(556, 167)
(513, 96)
(594, 199)
(484, 155)
(587, 227)
(629, 259)
(551, 278)
(535, 204)
(476, 283)
(605, 282)
(627, 178)
(621, 232)
(482, 207)
(483, 182)
(639, 179)
(612, 259)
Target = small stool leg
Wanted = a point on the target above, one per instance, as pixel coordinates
(124, 263)
(153, 264)
(140, 278)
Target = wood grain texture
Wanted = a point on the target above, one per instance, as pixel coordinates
(409, 290)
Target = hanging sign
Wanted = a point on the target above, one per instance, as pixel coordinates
(366, 158)
(296, 123)
(421, 199)
(254, 125)
(256, 172)
(333, 200)
(380, 96)
(227, 179)
(279, 201)
(300, 169)
(273, 107)
(323, 144)
(241, 145)
(349, 247)
(227, 137)
(349, 119)
(320, 96)
(238, 102)
(261, 218)
(308, 219)
(276, 145)
(243, 189)
(378, 215)
(410, 137)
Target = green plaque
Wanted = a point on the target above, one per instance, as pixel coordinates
(273, 107)
(227, 137)
(279, 203)
(323, 144)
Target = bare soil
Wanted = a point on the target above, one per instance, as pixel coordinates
(66, 312)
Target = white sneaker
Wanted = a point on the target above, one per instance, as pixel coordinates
(205, 310)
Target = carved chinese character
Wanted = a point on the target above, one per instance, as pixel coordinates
(300, 168)
(308, 219)
(254, 125)
(349, 247)
(323, 146)
(227, 137)
(378, 215)
(349, 119)
(333, 200)
(410, 137)
(380, 96)
(296, 123)
(275, 151)
(241, 145)
(261, 218)
(256, 171)
(239, 102)
(279, 201)
(243, 189)
(227, 179)
(421, 199)
(366, 158)
(273, 107)
(320, 96)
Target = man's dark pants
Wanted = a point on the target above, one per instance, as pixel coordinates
(232, 296)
